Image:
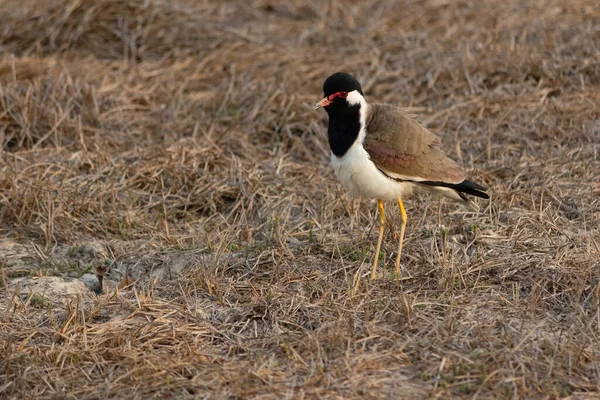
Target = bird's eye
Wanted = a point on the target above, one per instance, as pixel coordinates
(342, 95)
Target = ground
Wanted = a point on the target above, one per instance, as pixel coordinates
(170, 146)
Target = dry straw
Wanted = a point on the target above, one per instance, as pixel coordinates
(180, 133)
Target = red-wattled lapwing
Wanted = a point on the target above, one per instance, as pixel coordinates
(380, 152)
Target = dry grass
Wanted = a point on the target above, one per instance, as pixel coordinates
(177, 137)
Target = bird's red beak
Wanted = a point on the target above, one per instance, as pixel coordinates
(323, 103)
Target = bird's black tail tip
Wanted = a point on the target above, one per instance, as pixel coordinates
(472, 188)
(465, 187)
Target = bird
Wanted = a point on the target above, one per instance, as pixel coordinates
(379, 151)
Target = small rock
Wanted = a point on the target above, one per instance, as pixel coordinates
(92, 283)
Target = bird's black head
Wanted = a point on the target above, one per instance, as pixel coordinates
(340, 82)
(336, 89)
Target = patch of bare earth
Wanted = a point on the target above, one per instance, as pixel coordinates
(171, 146)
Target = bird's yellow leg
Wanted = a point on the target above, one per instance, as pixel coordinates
(381, 227)
(402, 227)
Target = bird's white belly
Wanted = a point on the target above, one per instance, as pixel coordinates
(360, 177)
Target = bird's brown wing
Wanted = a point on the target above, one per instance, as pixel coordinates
(402, 148)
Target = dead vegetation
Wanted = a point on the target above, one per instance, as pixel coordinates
(178, 138)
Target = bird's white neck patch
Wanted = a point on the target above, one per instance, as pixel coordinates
(355, 98)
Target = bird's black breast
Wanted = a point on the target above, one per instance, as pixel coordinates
(343, 129)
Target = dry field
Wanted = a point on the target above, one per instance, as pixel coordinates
(171, 147)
